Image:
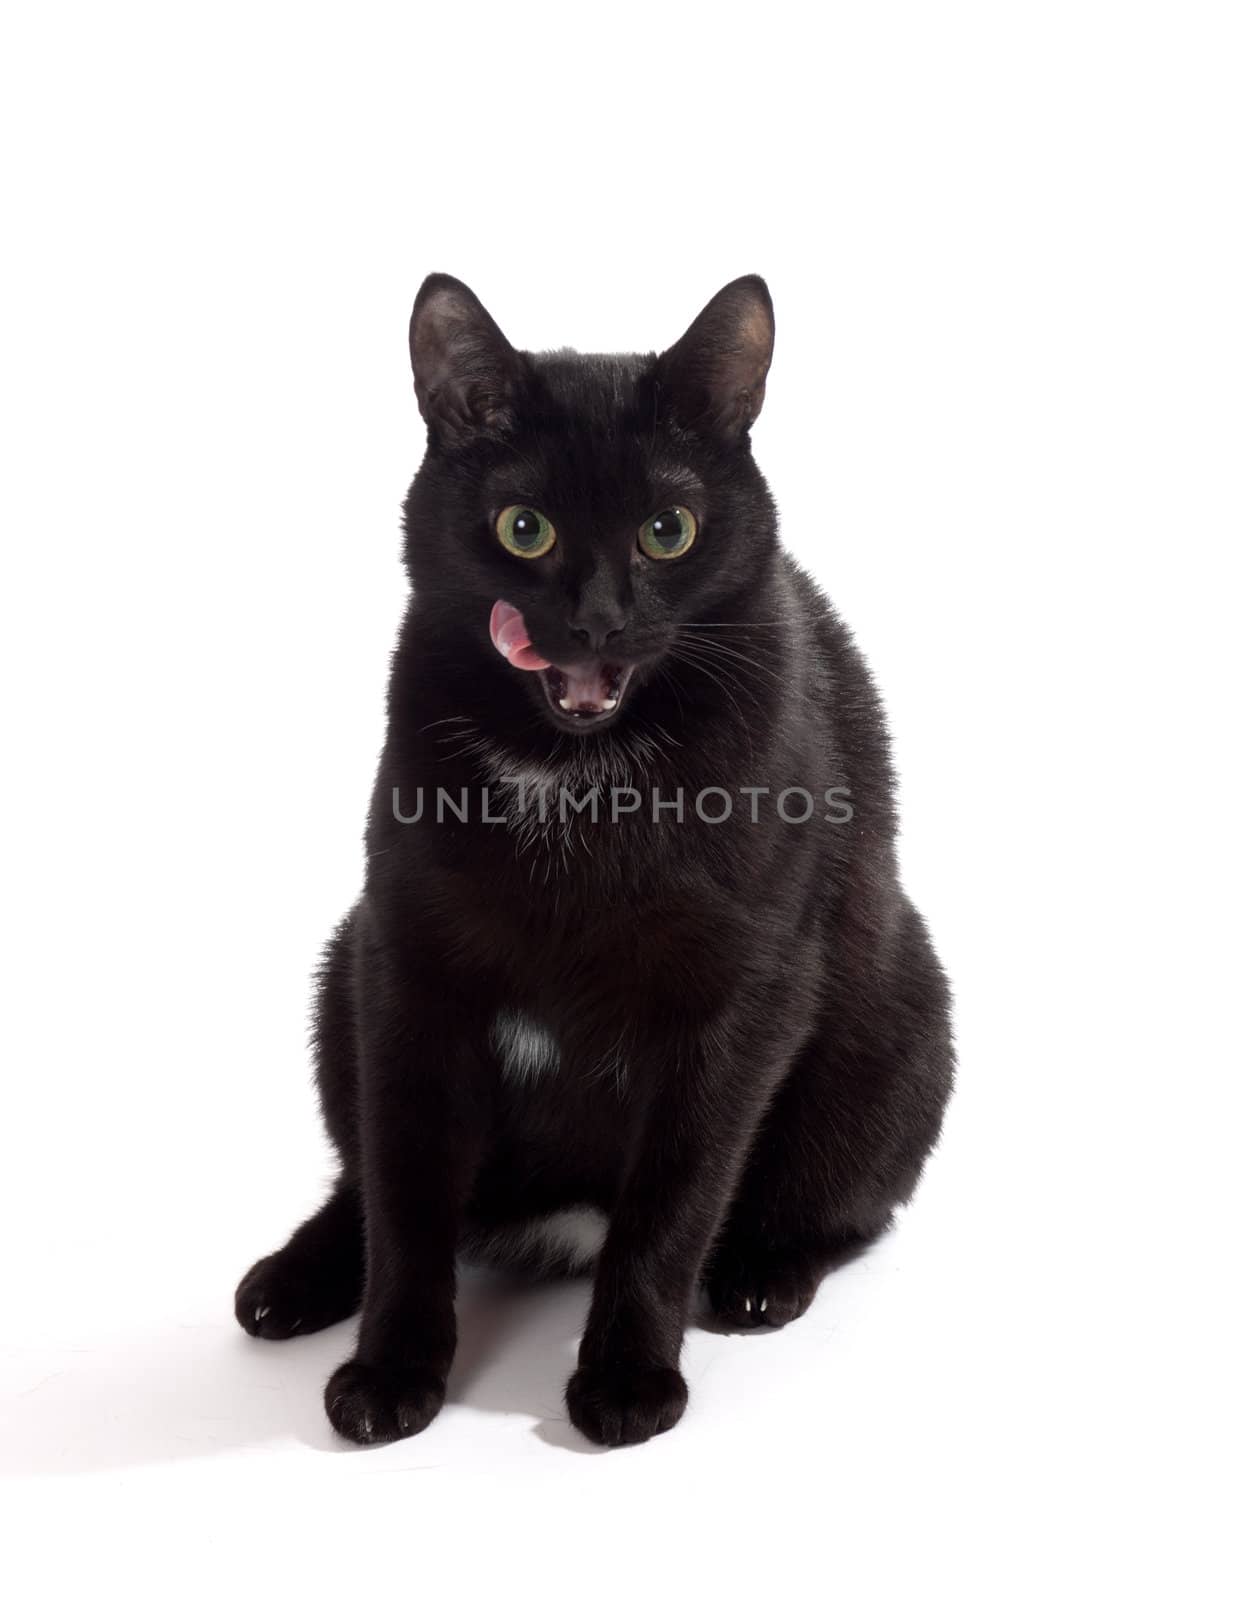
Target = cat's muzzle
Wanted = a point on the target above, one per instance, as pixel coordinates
(581, 697)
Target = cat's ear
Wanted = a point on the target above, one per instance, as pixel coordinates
(715, 375)
(464, 370)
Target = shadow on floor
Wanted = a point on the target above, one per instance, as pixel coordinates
(193, 1391)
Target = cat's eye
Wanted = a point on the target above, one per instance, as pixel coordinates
(668, 533)
(524, 531)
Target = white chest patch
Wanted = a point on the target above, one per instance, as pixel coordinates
(525, 1049)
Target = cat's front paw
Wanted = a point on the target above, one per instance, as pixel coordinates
(625, 1404)
(376, 1405)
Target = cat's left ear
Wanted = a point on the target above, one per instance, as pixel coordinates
(715, 374)
(464, 370)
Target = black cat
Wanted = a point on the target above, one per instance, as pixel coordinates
(685, 1026)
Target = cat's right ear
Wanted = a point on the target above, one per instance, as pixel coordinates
(464, 370)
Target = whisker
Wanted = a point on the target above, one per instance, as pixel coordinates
(706, 672)
(782, 622)
(713, 648)
(688, 651)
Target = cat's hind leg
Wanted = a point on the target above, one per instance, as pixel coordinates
(755, 1283)
(798, 1212)
(315, 1280)
(844, 1141)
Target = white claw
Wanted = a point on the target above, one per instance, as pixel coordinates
(261, 1312)
(747, 1306)
(763, 1305)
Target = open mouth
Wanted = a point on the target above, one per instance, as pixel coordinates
(586, 695)
(579, 697)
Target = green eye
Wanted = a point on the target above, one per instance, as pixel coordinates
(525, 532)
(667, 534)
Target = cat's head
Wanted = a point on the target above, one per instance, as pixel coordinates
(575, 512)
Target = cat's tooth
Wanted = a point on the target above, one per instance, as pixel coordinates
(566, 703)
(609, 705)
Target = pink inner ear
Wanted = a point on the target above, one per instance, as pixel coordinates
(510, 638)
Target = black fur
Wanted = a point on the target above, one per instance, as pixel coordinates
(752, 1029)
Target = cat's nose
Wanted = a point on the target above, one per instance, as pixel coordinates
(596, 629)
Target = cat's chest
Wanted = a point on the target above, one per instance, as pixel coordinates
(582, 814)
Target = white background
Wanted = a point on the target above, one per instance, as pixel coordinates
(1000, 427)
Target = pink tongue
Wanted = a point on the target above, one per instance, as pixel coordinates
(510, 638)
